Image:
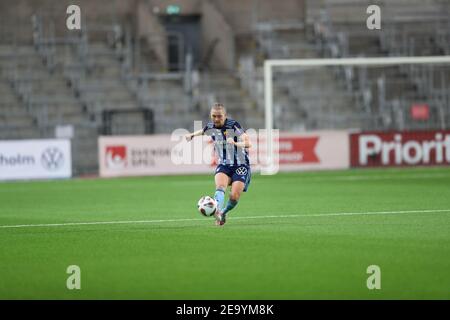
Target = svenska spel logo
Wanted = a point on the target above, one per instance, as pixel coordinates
(116, 157)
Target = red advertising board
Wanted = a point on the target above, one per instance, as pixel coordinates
(412, 148)
(304, 151)
(298, 150)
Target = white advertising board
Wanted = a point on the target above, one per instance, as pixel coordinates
(152, 155)
(35, 159)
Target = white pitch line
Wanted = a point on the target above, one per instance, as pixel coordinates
(381, 177)
(232, 218)
(345, 214)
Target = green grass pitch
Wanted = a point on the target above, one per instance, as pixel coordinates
(288, 238)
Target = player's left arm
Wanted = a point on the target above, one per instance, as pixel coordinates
(243, 141)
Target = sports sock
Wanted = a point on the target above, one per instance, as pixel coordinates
(230, 205)
(219, 196)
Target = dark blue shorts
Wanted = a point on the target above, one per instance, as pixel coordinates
(236, 173)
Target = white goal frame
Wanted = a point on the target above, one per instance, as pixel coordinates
(378, 61)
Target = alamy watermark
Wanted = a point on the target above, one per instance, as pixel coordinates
(73, 21)
(374, 20)
(208, 151)
(74, 280)
(374, 280)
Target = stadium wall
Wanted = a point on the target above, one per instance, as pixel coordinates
(321, 150)
(241, 15)
(166, 154)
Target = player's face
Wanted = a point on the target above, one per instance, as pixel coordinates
(218, 117)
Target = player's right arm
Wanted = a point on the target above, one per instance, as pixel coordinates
(189, 136)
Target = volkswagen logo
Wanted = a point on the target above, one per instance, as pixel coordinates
(52, 159)
(241, 171)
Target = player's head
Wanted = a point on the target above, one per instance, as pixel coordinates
(218, 114)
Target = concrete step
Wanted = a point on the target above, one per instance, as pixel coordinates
(103, 83)
(20, 132)
(57, 108)
(9, 99)
(84, 133)
(105, 72)
(6, 49)
(16, 121)
(108, 95)
(12, 109)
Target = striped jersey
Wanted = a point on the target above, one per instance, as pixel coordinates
(227, 154)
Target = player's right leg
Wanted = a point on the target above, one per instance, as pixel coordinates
(222, 181)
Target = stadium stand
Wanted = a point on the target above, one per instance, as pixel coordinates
(131, 56)
(412, 28)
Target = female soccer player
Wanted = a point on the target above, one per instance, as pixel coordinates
(231, 144)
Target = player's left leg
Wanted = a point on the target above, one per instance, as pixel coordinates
(237, 187)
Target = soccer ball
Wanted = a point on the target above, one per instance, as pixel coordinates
(207, 206)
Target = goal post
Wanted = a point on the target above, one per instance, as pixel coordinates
(271, 65)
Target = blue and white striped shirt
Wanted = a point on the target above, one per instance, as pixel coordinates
(227, 154)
